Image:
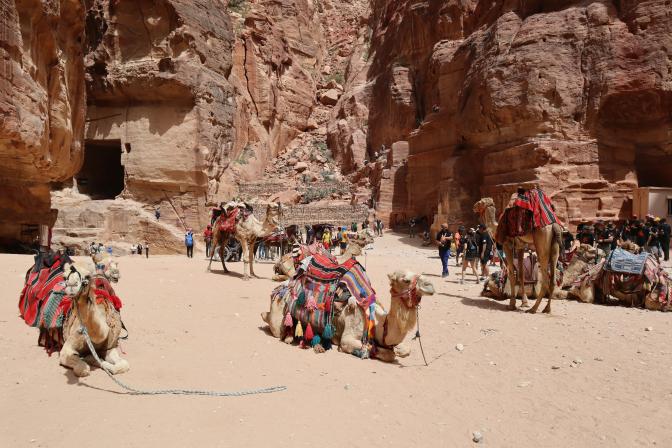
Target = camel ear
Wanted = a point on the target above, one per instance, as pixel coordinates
(391, 277)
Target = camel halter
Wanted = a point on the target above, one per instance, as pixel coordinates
(409, 296)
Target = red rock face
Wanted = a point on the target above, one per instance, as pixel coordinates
(42, 101)
(573, 96)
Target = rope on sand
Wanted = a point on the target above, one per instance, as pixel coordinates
(134, 391)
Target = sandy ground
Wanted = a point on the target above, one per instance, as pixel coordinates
(193, 329)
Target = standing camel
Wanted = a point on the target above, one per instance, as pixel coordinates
(547, 243)
(248, 229)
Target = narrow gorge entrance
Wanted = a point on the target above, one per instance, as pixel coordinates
(102, 174)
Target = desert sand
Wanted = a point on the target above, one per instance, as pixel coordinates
(586, 375)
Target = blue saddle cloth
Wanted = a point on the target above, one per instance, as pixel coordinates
(626, 263)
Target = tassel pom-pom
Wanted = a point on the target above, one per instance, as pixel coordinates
(328, 332)
(301, 299)
(299, 330)
(288, 322)
(311, 304)
(309, 333)
(315, 341)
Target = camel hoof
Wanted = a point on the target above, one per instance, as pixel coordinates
(531, 311)
(288, 340)
(512, 307)
(546, 311)
(264, 316)
(525, 304)
(246, 278)
(82, 371)
(318, 349)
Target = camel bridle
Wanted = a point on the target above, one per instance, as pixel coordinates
(409, 296)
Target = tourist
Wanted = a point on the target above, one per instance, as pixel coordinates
(470, 249)
(485, 250)
(310, 234)
(189, 242)
(365, 224)
(640, 234)
(133, 249)
(146, 249)
(653, 243)
(444, 238)
(664, 236)
(157, 213)
(353, 226)
(207, 237)
(344, 239)
(458, 243)
(586, 234)
(604, 237)
(326, 239)
(139, 249)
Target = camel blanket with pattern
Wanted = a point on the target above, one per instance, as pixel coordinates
(323, 281)
(526, 212)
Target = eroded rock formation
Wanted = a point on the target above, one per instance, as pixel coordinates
(571, 95)
(42, 106)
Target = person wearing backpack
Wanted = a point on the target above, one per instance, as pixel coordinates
(189, 242)
(470, 248)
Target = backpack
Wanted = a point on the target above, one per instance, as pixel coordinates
(471, 245)
(189, 239)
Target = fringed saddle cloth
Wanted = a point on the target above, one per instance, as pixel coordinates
(318, 284)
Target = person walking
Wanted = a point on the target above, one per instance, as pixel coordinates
(326, 239)
(485, 250)
(444, 238)
(343, 241)
(470, 248)
(664, 235)
(157, 213)
(146, 249)
(189, 242)
(207, 237)
(458, 244)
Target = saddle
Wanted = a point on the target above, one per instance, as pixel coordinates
(527, 210)
(227, 222)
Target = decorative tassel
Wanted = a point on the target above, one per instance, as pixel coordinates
(315, 341)
(299, 330)
(288, 322)
(309, 333)
(311, 305)
(326, 343)
(301, 299)
(328, 332)
(327, 305)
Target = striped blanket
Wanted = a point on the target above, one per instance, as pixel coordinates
(540, 205)
(525, 213)
(323, 281)
(43, 303)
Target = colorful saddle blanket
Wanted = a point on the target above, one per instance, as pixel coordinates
(323, 281)
(227, 223)
(528, 211)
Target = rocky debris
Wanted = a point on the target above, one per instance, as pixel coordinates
(330, 97)
(476, 437)
(459, 347)
(648, 329)
(300, 167)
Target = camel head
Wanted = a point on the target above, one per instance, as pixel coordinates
(482, 205)
(108, 268)
(409, 287)
(273, 213)
(77, 281)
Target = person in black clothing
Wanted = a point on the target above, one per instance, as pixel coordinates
(485, 250)
(586, 235)
(567, 240)
(470, 247)
(604, 237)
(444, 238)
(664, 238)
(640, 234)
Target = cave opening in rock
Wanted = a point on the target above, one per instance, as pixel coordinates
(653, 167)
(102, 174)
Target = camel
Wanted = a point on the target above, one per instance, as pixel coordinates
(391, 327)
(491, 286)
(547, 243)
(285, 269)
(247, 231)
(102, 321)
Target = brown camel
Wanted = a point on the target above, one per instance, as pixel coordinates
(103, 324)
(247, 231)
(547, 243)
(391, 327)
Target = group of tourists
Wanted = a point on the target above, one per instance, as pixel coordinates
(137, 249)
(652, 234)
(474, 245)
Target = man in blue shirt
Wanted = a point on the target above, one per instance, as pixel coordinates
(189, 242)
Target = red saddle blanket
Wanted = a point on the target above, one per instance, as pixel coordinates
(227, 223)
(528, 211)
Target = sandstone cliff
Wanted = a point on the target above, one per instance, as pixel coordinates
(42, 105)
(572, 95)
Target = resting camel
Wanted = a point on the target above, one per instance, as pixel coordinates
(547, 243)
(284, 268)
(103, 324)
(248, 230)
(391, 327)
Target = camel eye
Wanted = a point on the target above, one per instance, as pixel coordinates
(407, 280)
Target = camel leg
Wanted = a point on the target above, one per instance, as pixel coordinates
(552, 283)
(246, 261)
(508, 252)
(221, 257)
(114, 363)
(349, 344)
(251, 250)
(543, 267)
(521, 277)
(69, 357)
(385, 355)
